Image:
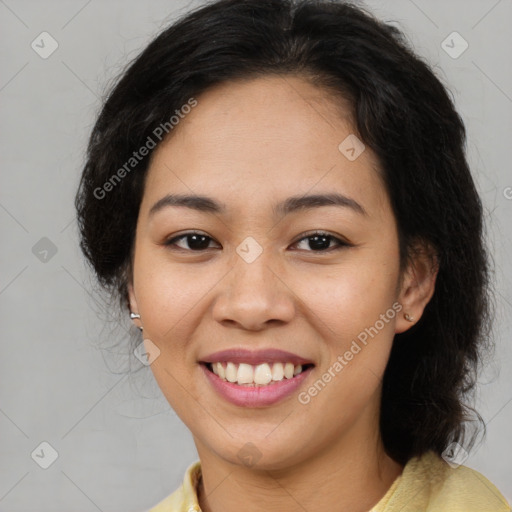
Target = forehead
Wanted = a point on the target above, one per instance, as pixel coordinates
(254, 141)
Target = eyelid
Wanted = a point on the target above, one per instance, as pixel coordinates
(342, 241)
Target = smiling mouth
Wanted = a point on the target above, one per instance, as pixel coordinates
(248, 375)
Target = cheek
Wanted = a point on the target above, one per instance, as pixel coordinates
(170, 298)
(354, 316)
(352, 310)
(350, 299)
(168, 295)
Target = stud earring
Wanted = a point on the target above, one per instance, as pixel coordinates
(135, 315)
(408, 317)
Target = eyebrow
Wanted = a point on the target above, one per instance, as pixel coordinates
(292, 204)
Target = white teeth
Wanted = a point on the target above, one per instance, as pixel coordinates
(220, 370)
(245, 374)
(260, 375)
(277, 371)
(231, 372)
(288, 370)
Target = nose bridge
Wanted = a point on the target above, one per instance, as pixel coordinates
(252, 273)
(253, 293)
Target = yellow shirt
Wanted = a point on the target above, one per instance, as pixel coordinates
(427, 484)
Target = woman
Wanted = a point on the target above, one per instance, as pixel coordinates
(278, 194)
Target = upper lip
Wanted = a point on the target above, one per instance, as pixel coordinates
(255, 357)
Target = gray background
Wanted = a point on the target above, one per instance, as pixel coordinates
(119, 445)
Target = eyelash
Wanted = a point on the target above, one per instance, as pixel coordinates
(341, 243)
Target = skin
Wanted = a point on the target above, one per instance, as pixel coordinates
(251, 144)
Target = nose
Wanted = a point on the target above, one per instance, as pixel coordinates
(254, 296)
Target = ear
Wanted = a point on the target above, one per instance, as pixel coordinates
(417, 285)
(133, 304)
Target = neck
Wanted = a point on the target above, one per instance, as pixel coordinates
(352, 474)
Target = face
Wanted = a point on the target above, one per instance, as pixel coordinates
(259, 274)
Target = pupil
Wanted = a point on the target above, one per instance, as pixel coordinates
(319, 242)
(198, 242)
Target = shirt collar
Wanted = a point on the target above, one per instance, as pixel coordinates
(190, 488)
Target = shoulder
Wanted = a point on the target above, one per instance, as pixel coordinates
(428, 484)
(183, 499)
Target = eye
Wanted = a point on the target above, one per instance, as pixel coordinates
(195, 241)
(320, 241)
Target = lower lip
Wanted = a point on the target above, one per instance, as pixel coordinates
(255, 396)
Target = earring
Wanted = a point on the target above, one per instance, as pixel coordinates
(135, 315)
(408, 317)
